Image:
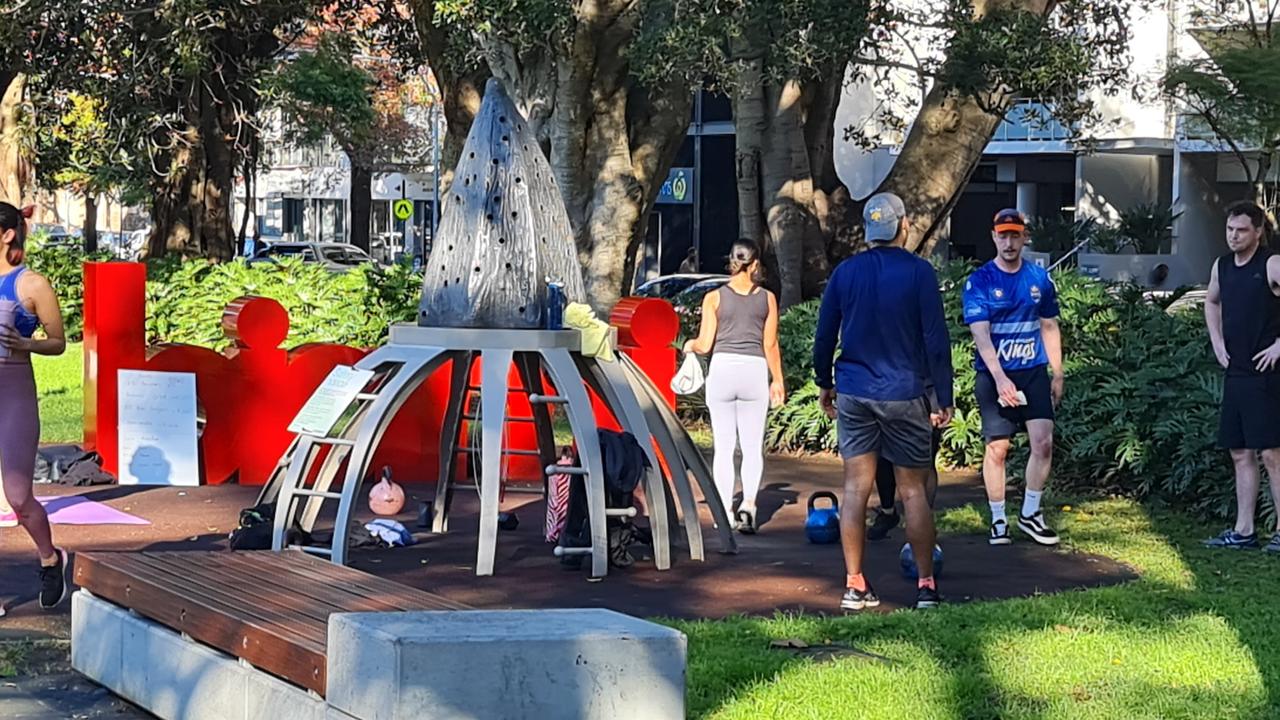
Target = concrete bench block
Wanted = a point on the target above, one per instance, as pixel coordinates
(178, 679)
(97, 633)
(269, 698)
(505, 665)
(175, 678)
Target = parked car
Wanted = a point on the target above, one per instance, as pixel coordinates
(668, 287)
(337, 257)
(55, 235)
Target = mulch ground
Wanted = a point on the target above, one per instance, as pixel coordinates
(776, 569)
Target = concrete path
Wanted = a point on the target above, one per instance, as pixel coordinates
(46, 688)
(61, 696)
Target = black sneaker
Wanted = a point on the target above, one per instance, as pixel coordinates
(1274, 545)
(999, 533)
(882, 524)
(855, 600)
(1233, 540)
(1035, 526)
(746, 520)
(53, 582)
(927, 597)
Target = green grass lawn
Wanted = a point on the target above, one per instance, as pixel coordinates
(1198, 636)
(60, 382)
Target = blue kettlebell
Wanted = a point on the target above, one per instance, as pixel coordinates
(907, 559)
(823, 524)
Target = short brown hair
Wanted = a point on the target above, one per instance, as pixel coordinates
(1251, 210)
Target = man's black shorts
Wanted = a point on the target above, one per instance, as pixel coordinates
(897, 430)
(1250, 418)
(1002, 422)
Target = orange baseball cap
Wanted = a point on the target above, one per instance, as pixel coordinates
(1010, 220)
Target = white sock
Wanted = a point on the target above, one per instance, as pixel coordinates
(997, 512)
(1031, 502)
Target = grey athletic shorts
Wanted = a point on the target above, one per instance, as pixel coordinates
(898, 430)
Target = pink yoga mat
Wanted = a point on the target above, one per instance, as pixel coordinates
(76, 510)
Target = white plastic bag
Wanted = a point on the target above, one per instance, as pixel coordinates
(689, 378)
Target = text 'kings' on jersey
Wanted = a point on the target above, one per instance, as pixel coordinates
(1014, 304)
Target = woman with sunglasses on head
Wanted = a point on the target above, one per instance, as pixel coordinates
(27, 301)
(740, 330)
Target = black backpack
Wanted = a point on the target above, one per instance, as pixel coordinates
(256, 526)
(625, 463)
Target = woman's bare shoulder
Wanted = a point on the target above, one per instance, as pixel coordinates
(33, 282)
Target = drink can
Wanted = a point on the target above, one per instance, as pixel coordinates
(555, 306)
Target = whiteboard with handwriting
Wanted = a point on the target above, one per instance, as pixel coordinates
(158, 428)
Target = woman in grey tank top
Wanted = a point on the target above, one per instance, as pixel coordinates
(740, 331)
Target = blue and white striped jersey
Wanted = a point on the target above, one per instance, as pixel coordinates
(1013, 303)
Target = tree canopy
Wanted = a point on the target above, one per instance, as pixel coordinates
(1233, 91)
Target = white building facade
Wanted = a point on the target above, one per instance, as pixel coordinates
(1140, 155)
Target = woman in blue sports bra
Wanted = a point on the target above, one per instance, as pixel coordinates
(27, 301)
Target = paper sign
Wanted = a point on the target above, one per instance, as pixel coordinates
(158, 428)
(330, 400)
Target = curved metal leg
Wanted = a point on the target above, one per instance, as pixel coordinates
(680, 472)
(495, 368)
(324, 481)
(628, 412)
(685, 446)
(416, 365)
(564, 373)
(459, 378)
(269, 491)
(300, 463)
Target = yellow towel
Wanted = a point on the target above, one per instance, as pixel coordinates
(595, 332)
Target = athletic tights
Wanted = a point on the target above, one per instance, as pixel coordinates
(738, 400)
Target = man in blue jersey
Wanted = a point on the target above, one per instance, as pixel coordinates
(884, 309)
(1011, 307)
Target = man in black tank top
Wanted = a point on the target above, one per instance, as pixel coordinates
(1242, 310)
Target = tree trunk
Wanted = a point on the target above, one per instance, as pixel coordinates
(250, 172)
(610, 141)
(944, 146)
(749, 127)
(90, 222)
(776, 181)
(361, 199)
(788, 187)
(833, 207)
(192, 210)
(15, 168)
(460, 80)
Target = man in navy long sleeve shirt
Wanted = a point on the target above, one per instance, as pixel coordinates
(884, 307)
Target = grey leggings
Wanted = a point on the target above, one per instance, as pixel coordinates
(738, 399)
(19, 439)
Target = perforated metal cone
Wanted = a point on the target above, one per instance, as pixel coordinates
(504, 232)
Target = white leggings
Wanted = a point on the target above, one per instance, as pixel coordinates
(738, 399)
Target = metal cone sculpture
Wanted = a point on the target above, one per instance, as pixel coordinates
(504, 233)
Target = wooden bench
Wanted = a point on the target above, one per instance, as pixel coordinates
(269, 609)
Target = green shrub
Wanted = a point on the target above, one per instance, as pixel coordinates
(63, 266)
(185, 300)
(1140, 413)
